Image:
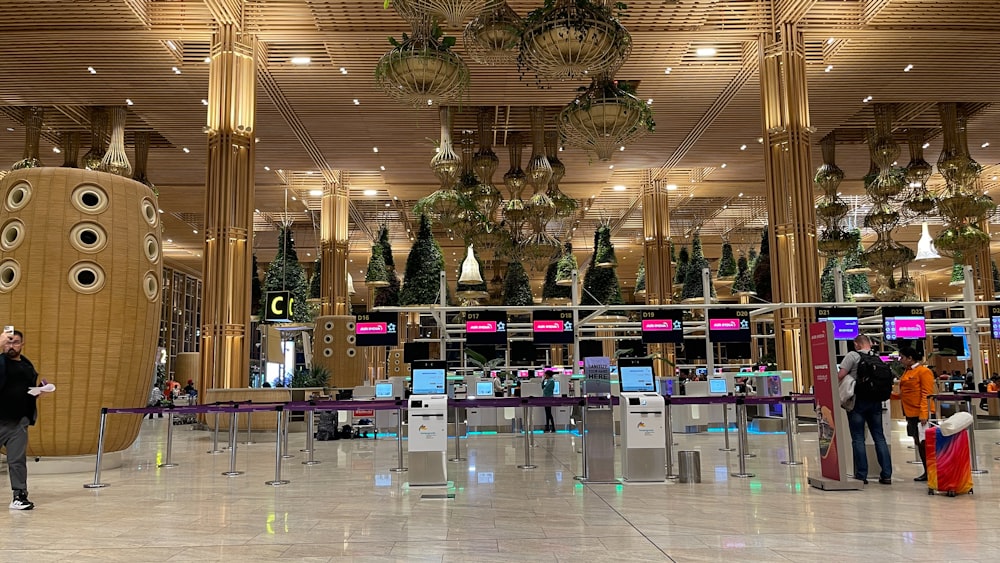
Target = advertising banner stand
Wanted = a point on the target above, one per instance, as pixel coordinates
(834, 436)
(599, 436)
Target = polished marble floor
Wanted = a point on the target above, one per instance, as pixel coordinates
(351, 507)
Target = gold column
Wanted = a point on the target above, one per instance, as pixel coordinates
(334, 246)
(788, 181)
(659, 271)
(229, 190)
(989, 349)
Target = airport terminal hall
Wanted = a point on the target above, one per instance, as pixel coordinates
(500, 280)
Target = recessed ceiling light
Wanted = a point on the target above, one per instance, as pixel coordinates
(925, 145)
(828, 68)
(668, 70)
(343, 70)
(382, 168)
(705, 51)
(374, 149)
(195, 231)
(10, 129)
(128, 102)
(829, 41)
(300, 60)
(621, 148)
(430, 102)
(186, 150)
(208, 59)
(907, 68)
(724, 165)
(741, 194)
(619, 188)
(294, 198)
(160, 211)
(760, 140)
(986, 144)
(560, 149)
(671, 187)
(743, 147)
(204, 102)
(176, 70)
(171, 45)
(91, 70)
(315, 193)
(309, 172)
(611, 167)
(370, 192)
(267, 168)
(866, 100)
(649, 102)
(170, 240)
(356, 102)
(56, 150)
(994, 178)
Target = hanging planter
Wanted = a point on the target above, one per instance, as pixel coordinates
(605, 116)
(573, 38)
(494, 36)
(422, 69)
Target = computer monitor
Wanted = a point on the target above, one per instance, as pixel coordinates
(636, 375)
(718, 386)
(701, 371)
(555, 389)
(428, 378)
(383, 390)
(957, 386)
(484, 388)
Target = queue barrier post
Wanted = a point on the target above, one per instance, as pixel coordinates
(668, 426)
(583, 441)
(399, 440)
(170, 442)
(458, 447)
(725, 428)
(283, 436)
(233, 422)
(741, 442)
(310, 431)
(525, 414)
(249, 441)
(280, 427)
(97, 484)
(790, 424)
(215, 436)
(972, 440)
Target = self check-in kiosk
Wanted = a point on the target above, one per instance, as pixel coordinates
(644, 433)
(485, 418)
(428, 424)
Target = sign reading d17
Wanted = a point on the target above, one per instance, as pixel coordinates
(663, 326)
(485, 327)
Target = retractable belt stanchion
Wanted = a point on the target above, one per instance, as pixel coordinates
(741, 410)
(283, 436)
(790, 433)
(725, 427)
(742, 428)
(309, 439)
(97, 484)
(972, 440)
(525, 413)
(170, 441)
(399, 441)
(215, 437)
(249, 430)
(233, 430)
(277, 449)
(458, 446)
(669, 428)
(583, 441)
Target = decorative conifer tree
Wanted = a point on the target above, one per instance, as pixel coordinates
(376, 266)
(673, 252)
(727, 264)
(387, 296)
(558, 270)
(286, 274)
(640, 276)
(957, 272)
(682, 264)
(996, 277)
(423, 267)
(316, 280)
(744, 281)
(516, 286)
(762, 269)
(828, 282)
(693, 282)
(857, 282)
(752, 258)
(256, 294)
(600, 284)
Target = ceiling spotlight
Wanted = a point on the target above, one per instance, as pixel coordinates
(208, 59)
(128, 102)
(300, 60)
(925, 145)
(176, 70)
(866, 100)
(619, 188)
(374, 149)
(315, 193)
(294, 198)
(986, 144)
(56, 150)
(621, 148)
(430, 102)
(171, 45)
(741, 194)
(356, 102)
(204, 102)
(760, 140)
(91, 70)
(10, 129)
(828, 68)
(705, 51)
(668, 70)
(186, 150)
(611, 167)
(724, 165)
(829, 41)
(671, 187)
(343, 70)
(267, 168)
(743, 147)
(195, 231)
(908, 68)
(170, 240)
(382, 168)
(370, 192)
(649, 102)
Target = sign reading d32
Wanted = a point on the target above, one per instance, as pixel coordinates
(279, 306)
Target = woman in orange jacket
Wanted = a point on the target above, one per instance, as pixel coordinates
(916, 383)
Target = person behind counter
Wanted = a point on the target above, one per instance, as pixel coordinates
(916, 383)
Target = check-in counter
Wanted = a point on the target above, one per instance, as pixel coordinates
(691, 419)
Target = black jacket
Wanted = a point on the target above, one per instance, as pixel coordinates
(34, 374)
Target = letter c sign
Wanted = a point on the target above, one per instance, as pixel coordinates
(279, 306)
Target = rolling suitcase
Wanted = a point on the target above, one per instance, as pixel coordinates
(949, 465)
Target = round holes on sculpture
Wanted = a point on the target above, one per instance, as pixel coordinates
(328, 325)
(150, 286)
(327, 339)
(89, 198)
(12, 235)
(10, 274)
(86, 277)
(149, 212)
(18, 196)
(351, 339)
(327, 352)
(151, 247)
(350, 326)
(351, 352)
(88, 237)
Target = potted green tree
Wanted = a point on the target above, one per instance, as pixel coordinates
(693, 283)
(423, 267)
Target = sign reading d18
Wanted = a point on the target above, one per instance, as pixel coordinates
(663, 326)
(279, 306)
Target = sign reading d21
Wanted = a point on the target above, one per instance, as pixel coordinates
(279, 306)
(663, 326)
(729, 325)
(995, 322)
(377, 329)
(552, 327)
(485, 327)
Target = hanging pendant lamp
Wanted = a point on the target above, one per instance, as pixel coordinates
(925, 246)
(470, 270)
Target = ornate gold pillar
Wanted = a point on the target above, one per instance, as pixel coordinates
(334, 246)
(656, 251)
(983, 270)
(229, 191)
(788, 181)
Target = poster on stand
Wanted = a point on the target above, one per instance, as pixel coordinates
(825, 385)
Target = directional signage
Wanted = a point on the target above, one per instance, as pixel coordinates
(279, 306)
(729, 325)
(485, 327)
(377, 329)
(663, 326)
(552, 327)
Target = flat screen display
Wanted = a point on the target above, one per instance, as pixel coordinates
(717, 385)
(555, 389)
(636, 378)
(844, 320)
(701, 371)
(995, 322)
(729, 325)
(416, 351)
(485, 327)
(552, 327)
(524, 373)
(663, 326)
(484, 388)
(428, 378)
(904, 323)
(957, 386)
(377, 329)
(383, 390)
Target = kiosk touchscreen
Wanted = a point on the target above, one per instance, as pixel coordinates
(718, 386)
(428, 378)
(428, 425)
(383, 390)
(484, 388)
(643, 420)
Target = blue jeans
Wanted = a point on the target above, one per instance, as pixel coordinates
(871, 413)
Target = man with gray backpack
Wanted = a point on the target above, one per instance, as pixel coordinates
(870, 375)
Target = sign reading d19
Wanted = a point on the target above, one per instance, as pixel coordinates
(663, 326)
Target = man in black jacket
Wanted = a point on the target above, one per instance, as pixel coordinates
(17, 412)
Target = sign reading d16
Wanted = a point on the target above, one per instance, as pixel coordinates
(663, 326)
